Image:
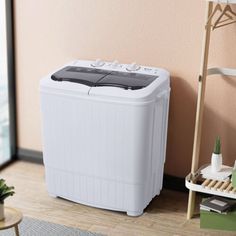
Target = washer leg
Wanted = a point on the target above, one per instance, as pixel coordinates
(52, 195)
(134, 213)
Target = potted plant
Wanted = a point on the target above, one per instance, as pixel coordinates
(5, 191)
(216, 158)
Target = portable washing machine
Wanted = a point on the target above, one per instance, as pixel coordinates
(104, 133)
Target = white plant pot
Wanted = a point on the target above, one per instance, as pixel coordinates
(1, 211)
(216, 162)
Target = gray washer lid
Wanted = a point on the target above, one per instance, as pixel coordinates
(81, 75)
(125, 80)
(100, 78)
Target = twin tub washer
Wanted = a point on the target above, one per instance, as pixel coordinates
(104, 133)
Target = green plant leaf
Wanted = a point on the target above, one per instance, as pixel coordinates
(217, 147)
(5, 191)
(4, 196)
(2, 182)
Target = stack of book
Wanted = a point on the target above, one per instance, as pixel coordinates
(218, 213)
(217, 204)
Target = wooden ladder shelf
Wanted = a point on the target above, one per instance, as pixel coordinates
(192, 180)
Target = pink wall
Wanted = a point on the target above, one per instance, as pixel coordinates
(165, 33)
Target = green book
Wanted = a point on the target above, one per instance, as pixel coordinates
(213, 220)
(234, 175)
(234, 178)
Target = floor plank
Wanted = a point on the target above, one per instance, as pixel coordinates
(165, 215)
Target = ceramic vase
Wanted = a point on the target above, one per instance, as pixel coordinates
(216, 162)
(1, 211)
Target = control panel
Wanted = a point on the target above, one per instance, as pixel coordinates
(116, 66)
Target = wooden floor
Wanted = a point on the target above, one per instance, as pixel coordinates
(166, 214)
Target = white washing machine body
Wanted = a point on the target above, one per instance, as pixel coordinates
(104, 144)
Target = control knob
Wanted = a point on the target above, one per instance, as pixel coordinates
(115, 64)
(98, 63)
(133, 67)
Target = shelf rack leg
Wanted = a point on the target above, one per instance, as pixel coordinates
(200, 108)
